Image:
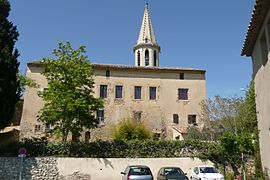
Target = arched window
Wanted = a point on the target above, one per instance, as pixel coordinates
(139, 58)
(155, 58)
(146, 57)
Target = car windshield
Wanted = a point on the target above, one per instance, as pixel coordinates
(139, 171)
(208, 170)
(173, 171)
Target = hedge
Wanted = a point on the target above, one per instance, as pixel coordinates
(107, 149)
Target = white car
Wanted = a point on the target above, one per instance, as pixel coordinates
(206, 173)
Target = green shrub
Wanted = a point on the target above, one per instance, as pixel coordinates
(129, 130)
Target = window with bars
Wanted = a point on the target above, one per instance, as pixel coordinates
(137, 92)
(119, 92)
(103, 91)
(182, 94)
(152, 93)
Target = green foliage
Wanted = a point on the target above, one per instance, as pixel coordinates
(26, 81)
(238, 118)
(9, 83)
(103, 149)
(69, 102)
(194, 133)
(129, 130)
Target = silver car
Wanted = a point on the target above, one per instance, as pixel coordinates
(140, 172)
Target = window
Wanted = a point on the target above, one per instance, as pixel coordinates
(175, 119)
(181, 76)
(74, 138)
(182, 94)
(100, 116)
(103, 91)
(37, 128)
(107, 73)
(48, 127)
(146, 57)
(137, 92)
(87, 137)
(139, 58)
(137, 115)
(152, 93)
(118, 92)
(155, 58)
(192, 119)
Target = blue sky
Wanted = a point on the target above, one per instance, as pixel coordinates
(192, 33)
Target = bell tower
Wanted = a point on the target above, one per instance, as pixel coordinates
(146, 50)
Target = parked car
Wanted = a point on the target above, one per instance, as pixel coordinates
(171, 173)
(206, 173)
(135, 172)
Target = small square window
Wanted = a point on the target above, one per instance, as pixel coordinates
(182, 94)
(137, 116)
(37, 128)
(137, 92)
(192, 119)
(175, 119)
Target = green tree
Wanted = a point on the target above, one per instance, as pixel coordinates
(249, 124)
(9, 83)
(129, 130)
(69, 102)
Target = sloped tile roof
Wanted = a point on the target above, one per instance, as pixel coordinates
(258, 16)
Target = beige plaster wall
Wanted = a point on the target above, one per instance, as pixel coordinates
(156, 114)
(110, 168)
(262, 86)
(261, 75)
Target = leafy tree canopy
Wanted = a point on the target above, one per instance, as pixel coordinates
(69, 102)
(9, 84)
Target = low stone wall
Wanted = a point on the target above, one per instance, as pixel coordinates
(85, 168)
(33, 168)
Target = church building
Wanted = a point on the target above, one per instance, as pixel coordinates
(165, 99)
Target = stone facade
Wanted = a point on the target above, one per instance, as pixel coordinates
(165, 114)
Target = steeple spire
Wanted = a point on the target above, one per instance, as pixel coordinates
(146, 49)
(146, 33)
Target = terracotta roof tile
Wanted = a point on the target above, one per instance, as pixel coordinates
(257, 19)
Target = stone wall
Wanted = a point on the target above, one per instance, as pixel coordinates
(33, 168)
(85, 168)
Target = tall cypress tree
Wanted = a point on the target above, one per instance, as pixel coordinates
(9, 83)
